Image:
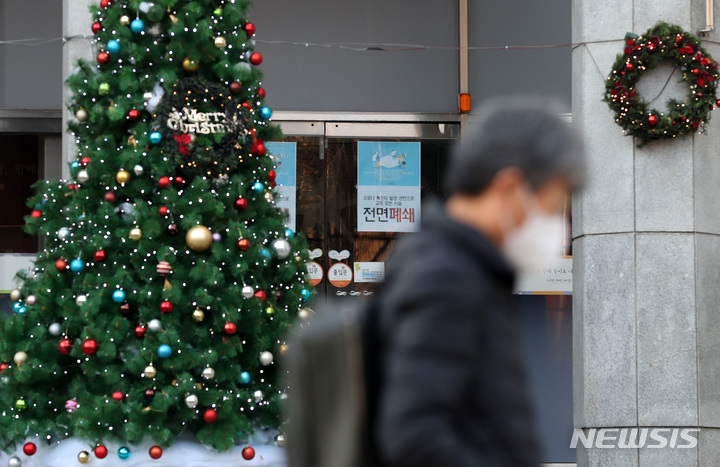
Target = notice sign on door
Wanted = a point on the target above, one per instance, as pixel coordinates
(284, 155)
(388, 192)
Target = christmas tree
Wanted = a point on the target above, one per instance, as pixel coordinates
(168, 279)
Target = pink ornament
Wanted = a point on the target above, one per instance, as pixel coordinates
(71, 405)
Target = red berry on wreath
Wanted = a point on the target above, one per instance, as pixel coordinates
(629, 66)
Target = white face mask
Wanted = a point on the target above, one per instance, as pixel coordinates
(537, 243)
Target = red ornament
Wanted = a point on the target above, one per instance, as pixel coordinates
(261, 295)
(156, 452)
(105, 3)
(164, 268)
(256, 58)
(64, 346)
(125, 308)
(247, 105)
(235, 88)
(3, 366)
(179, 181)
(230, 328)
(103, 58)
(258, 148)
(701, 82)
(261, 92)
(652, 119)
(273, 184)
(100, 256)
(36, 213)
(133, 115)
(85, 161)
(110, 197)
(244, 244)
(629, 66)
(163, 211)
(248, 453)
(90, 346)
(210, 416)
(149, 394)
(166, 307)
(61, 265)
(241, 203)
(173, 229)
(140, 331)
(249, 29)
(101, 451)
(73, 186)
(29, 449)
(118, 396)
(96, 27)
(164, 182)
(272, 175)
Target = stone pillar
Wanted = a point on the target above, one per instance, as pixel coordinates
(647, 255)
(77, 20)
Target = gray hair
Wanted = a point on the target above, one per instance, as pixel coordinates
(522, 132)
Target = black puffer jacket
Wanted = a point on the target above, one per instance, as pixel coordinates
(452, 387)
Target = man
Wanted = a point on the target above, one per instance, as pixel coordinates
(452, 388)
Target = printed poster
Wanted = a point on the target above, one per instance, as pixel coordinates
(284, 155)
(388, 198)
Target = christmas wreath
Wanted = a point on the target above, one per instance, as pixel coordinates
(663, 42)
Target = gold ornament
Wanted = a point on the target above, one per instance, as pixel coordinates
(20, 358)
(83, 457)
(190, 65)
(167, 285)
(82, 115)
(269, 197)
(220, 42)
(199, 238)
(282, 350)
(15, 295)
(132, 140)
(198, 315)
(125, 20)
(304, 314)
(173, 18)
(150, 371)
(123, 176)
(135, 234)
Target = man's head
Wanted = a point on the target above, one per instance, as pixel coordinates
(517, 164)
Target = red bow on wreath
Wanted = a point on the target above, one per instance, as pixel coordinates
(183, 143)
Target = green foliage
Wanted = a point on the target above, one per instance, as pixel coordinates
(96, 211)
(662, 43)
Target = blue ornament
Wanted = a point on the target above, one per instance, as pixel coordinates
(289, 233)
(77, 265)
(137, 26)
(244, 377)
(259, 187)
(164, 351)
(305, 294)
(266, 112)
(16, 307)
(119, 296)
(124, 453)
(265, 254)
(81, 217)
(155, 137)
(39, 206)
(75, 165)
(113, 46)
(22, 310)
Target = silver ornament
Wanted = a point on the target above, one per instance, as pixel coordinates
(282, 248)
(82, 176)
(248, 292)
(15, 295)
(208, 373)
(63, 233)
(127, 211)
(55, 329)
(80, 300)
(154, 325)
(14, 462)
(31, 300)
(138, 169)
(191, 401)
(304, 314)
(258, 395)
(280, 440)
(266, 358)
